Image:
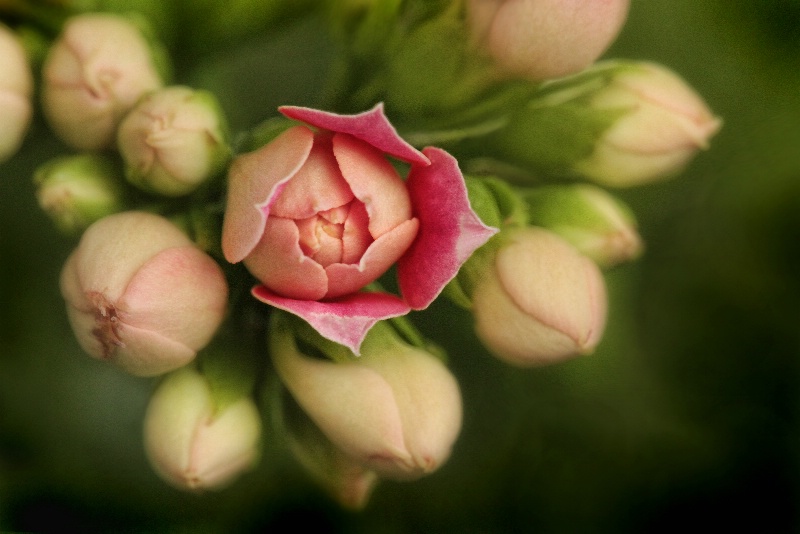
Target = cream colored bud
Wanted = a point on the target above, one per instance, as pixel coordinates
(190, 443)
(543, 39)
(16, 87)
(395, 410)
(173, 140)
(141, 295)
(666, 123)
(94, 73)
(542, 302)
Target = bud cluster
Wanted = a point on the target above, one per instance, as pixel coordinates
(257, 270)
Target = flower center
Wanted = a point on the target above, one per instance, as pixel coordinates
(321, 235)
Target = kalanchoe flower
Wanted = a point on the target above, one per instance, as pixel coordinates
(595, 222)
(140, 294)
(543, 39)
(395, 410)
(541, 302)
(191, 442)
(318, 215)
(665, 124)
(94, 73)
(16, 87)
(173, 140)
(76, 191)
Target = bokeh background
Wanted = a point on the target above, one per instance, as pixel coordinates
(685, 417)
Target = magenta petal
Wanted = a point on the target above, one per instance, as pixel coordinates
(345, 320)
(449, 231)
(371, 126)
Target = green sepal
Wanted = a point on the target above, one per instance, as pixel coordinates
(230, 370)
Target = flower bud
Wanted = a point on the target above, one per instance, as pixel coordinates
(395, 410)
(543, 39)
(76, 191)
(618, 124)
(542, 301)
(173, 140)
(95, 72)
(140, 294)
(16, 87)
(190, 442)
(596, 223)
(664, 125)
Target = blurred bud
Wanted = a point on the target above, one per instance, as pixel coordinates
(395, 410)
(16, 87)
(192, 443)
(341, 476)
(543, 39)
(598, 224)
(140, 294)
(542, 301)
(76, 191)
(95, 72)
(619, 124)
(173, 140)
(666, 122)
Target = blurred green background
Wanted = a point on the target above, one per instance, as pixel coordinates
(685, 417)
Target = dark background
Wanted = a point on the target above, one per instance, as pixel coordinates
(686, 417)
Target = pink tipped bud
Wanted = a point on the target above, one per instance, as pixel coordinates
(193, 445)
(16, 87)
(140, 294)
(543, 39)
(542, 302)
(94, 73)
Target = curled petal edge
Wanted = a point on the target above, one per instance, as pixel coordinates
(345, 320)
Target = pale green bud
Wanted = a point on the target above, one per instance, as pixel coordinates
(595, 222)
(191, 443)
(173, 140)
(76, 191)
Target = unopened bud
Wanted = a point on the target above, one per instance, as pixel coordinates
(173, 140)
(95, 72)
(543, 39)
(595, 222)
(395, 410)
(190, 442)
(140, 294)
(76, 191)
(541, 302)
(16, 87)
(664, 125)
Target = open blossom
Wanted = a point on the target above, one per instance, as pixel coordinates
(541, 302)
(396, 410)
(140, 294)
(318, 214)
(16, 87)
(94, 73)
(543, 39)
(193, 445)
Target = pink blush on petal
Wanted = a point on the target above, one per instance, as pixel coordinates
(345, 320)
(449, 230)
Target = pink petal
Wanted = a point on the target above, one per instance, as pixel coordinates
(255, 179)
(381, 254)
(317, 186)
(356, 237)
(449, 231)
(371, 126)
(344, 320)
(279, 262)
(374, 182)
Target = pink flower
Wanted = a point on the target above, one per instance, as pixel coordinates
(316, 215)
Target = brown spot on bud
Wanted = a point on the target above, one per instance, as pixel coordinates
(106, 329)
